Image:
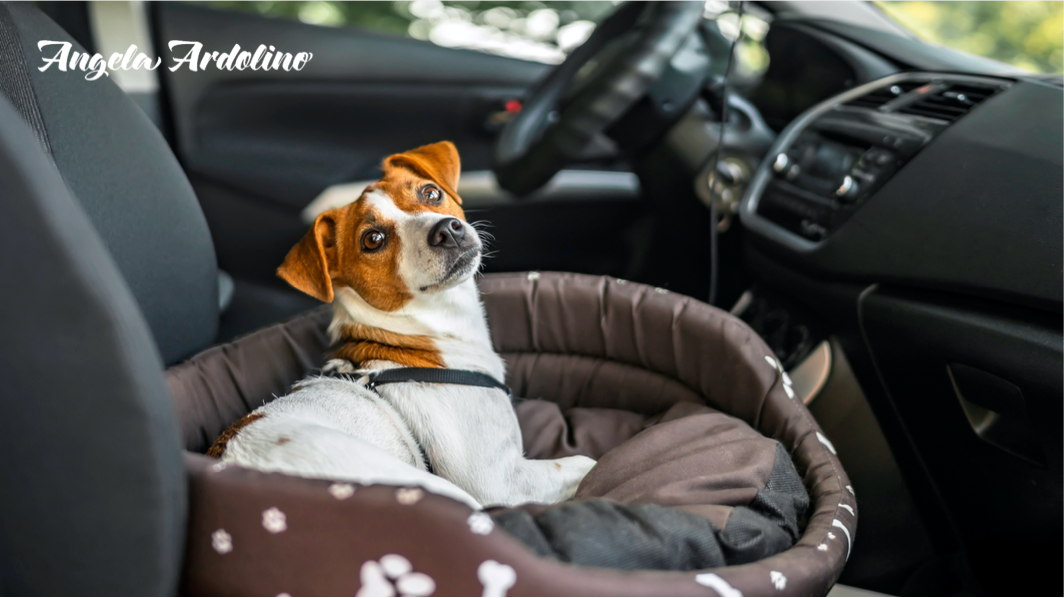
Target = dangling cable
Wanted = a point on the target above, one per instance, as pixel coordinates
(715, 158)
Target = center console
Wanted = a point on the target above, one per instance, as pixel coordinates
(833, 158)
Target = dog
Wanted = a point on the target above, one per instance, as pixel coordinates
(398, 267)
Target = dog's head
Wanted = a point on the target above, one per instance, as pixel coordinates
(405, 236)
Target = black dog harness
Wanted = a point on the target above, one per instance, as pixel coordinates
(425, 375)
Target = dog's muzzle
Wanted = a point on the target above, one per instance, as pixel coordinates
(450, 234)
(457, 247)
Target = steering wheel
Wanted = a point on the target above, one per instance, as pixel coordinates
(594, 87)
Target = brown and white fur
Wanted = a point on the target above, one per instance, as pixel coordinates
(409, 301)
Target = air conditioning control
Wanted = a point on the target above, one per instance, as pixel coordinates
(821, 178)
(781, 163)
(848, 190)
(842, 152)
(786, 167)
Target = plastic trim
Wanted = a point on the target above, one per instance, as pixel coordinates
(748, 207)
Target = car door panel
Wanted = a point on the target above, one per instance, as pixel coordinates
(286, 142)
(260, 146)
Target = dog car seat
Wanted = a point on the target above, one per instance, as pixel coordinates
(101, 484)
(616, 359)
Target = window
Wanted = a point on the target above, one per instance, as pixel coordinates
(1028, 35)
(751, 57)
(540, 31)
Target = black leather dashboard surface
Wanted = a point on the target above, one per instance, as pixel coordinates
(977, 211)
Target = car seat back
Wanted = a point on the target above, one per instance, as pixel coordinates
(120, 169)
(92, 486)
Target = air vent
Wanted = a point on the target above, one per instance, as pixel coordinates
(949, 102)
(881, 96)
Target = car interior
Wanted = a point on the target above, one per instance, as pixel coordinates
(885, 213)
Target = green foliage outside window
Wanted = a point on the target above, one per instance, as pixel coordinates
(542, 31)
(1029, 35)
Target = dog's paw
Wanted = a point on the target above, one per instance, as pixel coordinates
(578, 465)
(573, 470)
(337, 366)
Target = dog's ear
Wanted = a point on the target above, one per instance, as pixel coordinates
(437, 161)
(308, 265)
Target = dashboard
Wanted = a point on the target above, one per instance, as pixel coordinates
(911, 209)
(936, 179)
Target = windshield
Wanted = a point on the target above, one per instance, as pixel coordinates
(1028, 35)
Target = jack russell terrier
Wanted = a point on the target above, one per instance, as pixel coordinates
(412, 395)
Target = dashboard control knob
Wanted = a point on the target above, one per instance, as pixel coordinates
(781, 163)
(731, 172)
(813, 230)
(848, 189)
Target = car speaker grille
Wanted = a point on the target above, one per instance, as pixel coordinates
(949, 102)
(875, 99)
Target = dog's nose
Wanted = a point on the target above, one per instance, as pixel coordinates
(448, 232)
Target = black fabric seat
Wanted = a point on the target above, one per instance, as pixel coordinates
(92, 486)
(105, 250)
(117, 165)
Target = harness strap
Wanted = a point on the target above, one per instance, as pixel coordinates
(435, 376)
(429, 375)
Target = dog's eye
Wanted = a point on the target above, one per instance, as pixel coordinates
(431, 194)
(372, 240)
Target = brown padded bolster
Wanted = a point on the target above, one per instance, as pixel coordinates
(224, 383)
(626, 371)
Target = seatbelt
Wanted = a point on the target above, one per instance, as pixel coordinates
(15, 81)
